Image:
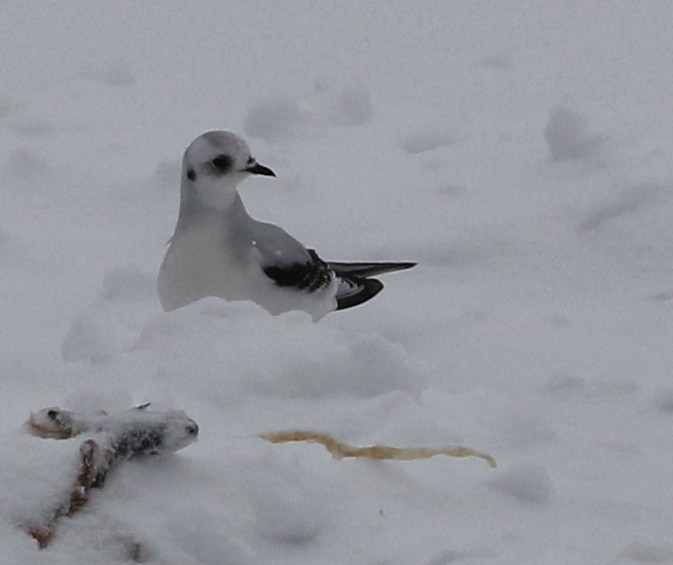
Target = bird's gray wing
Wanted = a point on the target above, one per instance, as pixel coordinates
(287, 262)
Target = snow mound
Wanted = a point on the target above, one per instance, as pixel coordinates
(623, 203)
(527, 482)
(644, 552)
(287, 509)
(428, 139)
(282, 356)
(168, 172)
(36, 477)
(343, 104)
(663, 400)
(331, 105)
(32, 127)
(568, 135)
(26, 164)
(116, 73)
(7, 107)
(497, 62)
(113, 322)
(275, 119)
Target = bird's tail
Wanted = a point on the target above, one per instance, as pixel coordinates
(355, 284)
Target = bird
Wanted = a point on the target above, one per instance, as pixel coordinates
(218, 249)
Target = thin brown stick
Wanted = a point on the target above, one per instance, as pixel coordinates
(340, 450)
(94, 465)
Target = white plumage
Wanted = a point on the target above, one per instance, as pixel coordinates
(217, 249)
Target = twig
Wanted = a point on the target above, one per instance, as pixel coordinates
(340, 450)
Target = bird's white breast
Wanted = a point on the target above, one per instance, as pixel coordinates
(198, 263)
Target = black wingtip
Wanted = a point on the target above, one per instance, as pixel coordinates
(371, 269)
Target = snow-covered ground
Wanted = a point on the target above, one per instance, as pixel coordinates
(521, 152)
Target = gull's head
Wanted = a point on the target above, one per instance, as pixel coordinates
(213, 166)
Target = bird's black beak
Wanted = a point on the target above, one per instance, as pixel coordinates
(258, 169)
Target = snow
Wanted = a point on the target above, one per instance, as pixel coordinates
(519, 151)
(567, 137)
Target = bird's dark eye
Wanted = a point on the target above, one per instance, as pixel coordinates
(222, 162)
(251, 161)
(191, 175)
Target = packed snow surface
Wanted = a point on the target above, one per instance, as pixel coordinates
(520, 151)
